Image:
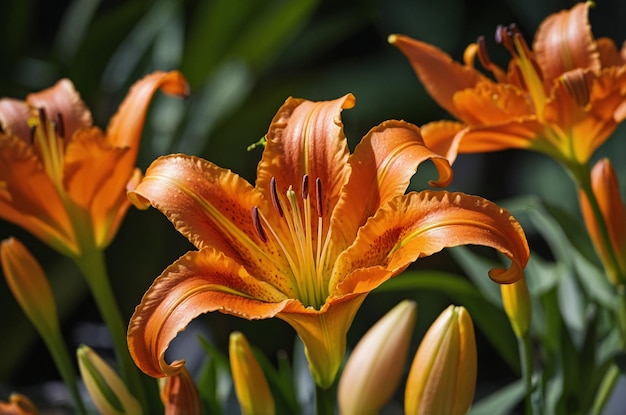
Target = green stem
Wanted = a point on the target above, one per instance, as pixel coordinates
(606, 388)
(612, 374)
(324, 401)
(93, 267)
(526, 363)
(58, 351)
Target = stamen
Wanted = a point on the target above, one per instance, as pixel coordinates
(275, 200)
(483, 56)
(42, 117)
(520, 43)
(305, 187)
(318, 197)
(33, 131)
(503, 37)
(257, 224)
(60, 125)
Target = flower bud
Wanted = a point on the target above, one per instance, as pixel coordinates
(18, 405)
(516, 301)
(107, 390)
(605, 187)
(375, 366)
(251, 386)
(30, 287)
(442, 378)
(179, 394)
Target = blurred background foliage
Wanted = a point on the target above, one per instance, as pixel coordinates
(243, 59)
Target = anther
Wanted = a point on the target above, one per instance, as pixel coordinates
(274, 195)
(483, 56)
(498, 34)
(33, 130)
(60, 126)
(503, 37)
(305, 187)
(42, 117)
(256, 221)
(318, 197)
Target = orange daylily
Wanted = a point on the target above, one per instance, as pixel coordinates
(320, 230)
(563, 98)
(18, 405)
(64, 180)
(605, 187)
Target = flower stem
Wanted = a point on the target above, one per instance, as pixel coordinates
(58, 350)
(324, 401)
(93, 267)
(612, 374)
(526, 363)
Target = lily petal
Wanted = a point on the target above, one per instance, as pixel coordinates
(211, 206)
(441, 75)
(382, 166)
(564, 41)
(62, 98)
(197, 283)
(306, 138)
(28, 197)
(442, 137)
(492, 103)
(13, 118)
(422, 224)
(323, 333)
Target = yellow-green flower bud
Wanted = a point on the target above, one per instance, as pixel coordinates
(517, 306)
(107, 390)
(251, 387)
(442, 378)
(30, 287)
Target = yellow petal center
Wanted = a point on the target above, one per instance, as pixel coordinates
(300, 234)
(47, 137)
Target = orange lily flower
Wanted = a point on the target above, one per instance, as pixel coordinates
(563, 98)
(18, 405)
(319, 231)
(605, 187)
(64, 180)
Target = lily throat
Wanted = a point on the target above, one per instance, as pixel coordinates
(296, 227)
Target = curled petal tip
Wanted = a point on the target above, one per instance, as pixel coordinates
(138, 201)
(506, 276)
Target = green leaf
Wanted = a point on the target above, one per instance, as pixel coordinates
(251, 31)
(214, 381)
(501, 402)
(477, 268)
